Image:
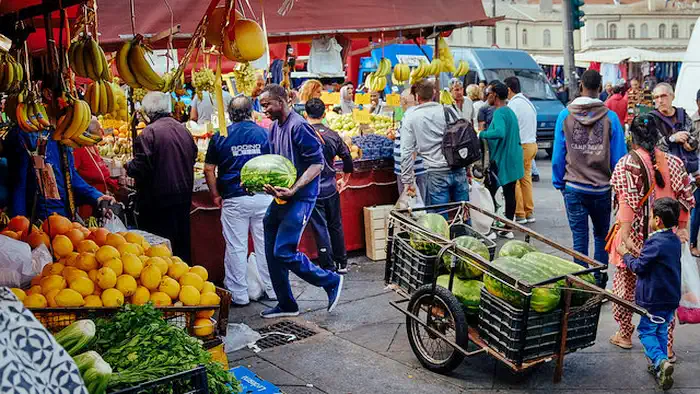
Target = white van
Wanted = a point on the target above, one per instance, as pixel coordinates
(687, 85)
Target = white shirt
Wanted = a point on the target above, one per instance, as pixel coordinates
(527, 118)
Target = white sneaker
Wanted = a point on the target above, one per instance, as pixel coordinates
(521, 221)
(531, 219)
(492, 236)
(506, 234)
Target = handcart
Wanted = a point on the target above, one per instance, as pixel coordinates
(442, 332)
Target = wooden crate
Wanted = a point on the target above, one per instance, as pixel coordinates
(376, 218)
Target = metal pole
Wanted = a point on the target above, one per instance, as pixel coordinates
(493, 31)
(569, 65)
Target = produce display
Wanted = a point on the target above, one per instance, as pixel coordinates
(264, 170)
(434, 223)
(102, 97)
(463, 269)
(120, 111)
(136, 71)
(88, 60)
(11, 73)
(468, 292)
(401, 72)
(72, 127)
(373, 146)
(376, 81)
(30, 113)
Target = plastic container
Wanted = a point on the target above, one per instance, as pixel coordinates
(409, 269)
(193, 381)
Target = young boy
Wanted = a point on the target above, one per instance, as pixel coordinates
(658, 270)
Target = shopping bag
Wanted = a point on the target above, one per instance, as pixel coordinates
(114, 224)
(689, 309)
(480, 196)
(256, 287)
(15, 262)
(411, 199)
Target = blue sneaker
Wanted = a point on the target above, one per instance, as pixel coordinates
(276, 312)
(334, 294)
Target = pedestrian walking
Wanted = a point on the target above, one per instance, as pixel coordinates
(640, 177)
(658, 289)
(527, 125)
(503, 137)
(422, 131)
(326, 217)
(408, 102)
(588, 142)
(695, 216)
(292, 137)
(618, 103)
(240, 212)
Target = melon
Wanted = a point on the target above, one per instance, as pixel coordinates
(516, 248)
(245, 41)
(543, 299)
(434, 223)
(468, 292)
(463, 269)
(264, 170)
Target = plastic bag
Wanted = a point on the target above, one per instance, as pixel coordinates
(407, 200)
(255, 284)
(15, 262)
(480, 196)
(689, 309)
(238, 336)
(114, 225)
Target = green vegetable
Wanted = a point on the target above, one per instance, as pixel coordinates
(97, 378)
(516, 248)
(434, 223)
(77, 336)
(86, 360)
(274, 170)
(463, 269)
(468, 292)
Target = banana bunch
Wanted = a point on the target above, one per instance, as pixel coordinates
(11, 73)
(134, 69)
(462, 69)
(120, 107)
(420, 72)
(445, 55)
(101, 97)
(30, 114)
(384, 68)
(375, 82)
(435, 67)
(446, 97)
(401, 72)
(72, 126)
(88, 60)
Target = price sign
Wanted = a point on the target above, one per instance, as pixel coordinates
(361, 116)
(393, 100)
(330, 98)
(362, 99)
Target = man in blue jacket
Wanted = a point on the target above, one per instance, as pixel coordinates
(588, 142)
(292, 137)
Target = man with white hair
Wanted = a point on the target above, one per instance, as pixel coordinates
(163, 170)
(462, 104)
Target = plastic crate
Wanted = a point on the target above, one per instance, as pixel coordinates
(501, 326)
(409, 268)
(459, 229)
(193, 381)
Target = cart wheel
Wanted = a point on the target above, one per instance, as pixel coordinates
(447, 318)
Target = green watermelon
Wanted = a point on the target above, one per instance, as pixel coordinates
(274, 170)
(468, 292)
(557, 266)
(543, 299)
(516, 248)
(463, 269)
(434, 223)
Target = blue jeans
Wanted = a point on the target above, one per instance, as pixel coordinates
(447, 186)
(534, 170)
(654, 337)
(695, 220)
(284, 225)
(581, 206)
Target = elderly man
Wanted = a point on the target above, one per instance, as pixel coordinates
(462, 104)
(239, 210)
(292, 137)
(163, 170)
(257, 90)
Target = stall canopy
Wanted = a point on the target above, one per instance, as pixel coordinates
(557, 61)
(629, 54)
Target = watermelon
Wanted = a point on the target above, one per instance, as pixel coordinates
(543, 299)
(274, 170)
(468, 292)
(557, 266)
(434, 223)
(463, 269)
(516, 248)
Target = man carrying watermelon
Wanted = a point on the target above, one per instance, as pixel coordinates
(292, 137)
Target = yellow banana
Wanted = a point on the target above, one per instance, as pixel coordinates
(19, 72)
(79, 59)
(143, 72)
(62, 124)
(109, 97)
(41, 115)
(95, 97)
(8, 76)
(80, 114)
(105, 75)
(103, 98)
(96, 57)
(123, 69)
(31, 116)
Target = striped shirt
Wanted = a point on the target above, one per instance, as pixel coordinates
(417, 164)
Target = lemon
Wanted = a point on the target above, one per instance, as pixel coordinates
(35, 301)
(93, 301)
(203, 327)
(62, 246)
(159, 298)
(201, 271)
(69, 298)
(52, 269)
(53, 282)
(86, 262)
(208, 298)
(158, 262)
(36, 289)
(150, 277)
(116, 266)
(134, 238)
(87, 246)
(106, 278)
(82, 285)
(71, 260)
(141, 296)
(192, 279)
(112, 298)
(158, 251)
(177, 269)
(170, 287)
(208, 287)
(115, 240)
(51, 298)
(144, 258)
(132, 264)
(19, 293)
(130, 248)
(106, 253)
(127, 285)
(189, 295)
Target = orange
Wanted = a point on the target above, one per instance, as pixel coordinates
(56, 224)
(18, 223)
(11, 234)
(99, 235)
(115, 240)
(87, 245)
(75, 236)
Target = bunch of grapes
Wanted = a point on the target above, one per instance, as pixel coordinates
(203, 81)
(139, 94)
(244, 75)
